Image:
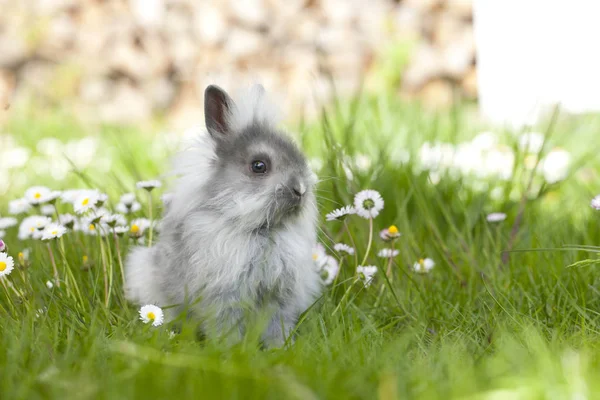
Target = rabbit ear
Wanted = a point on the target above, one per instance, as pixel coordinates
(217, 110)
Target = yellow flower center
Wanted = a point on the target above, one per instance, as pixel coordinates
(21, 257)
(85, 201)
(421, 261)
(151, 316)
(393, 230)
(54, 233)
(2, 266)
(85, 259)
(32, 229)
(92, 227)
(135, 228)
(37, 195)
(315, 256)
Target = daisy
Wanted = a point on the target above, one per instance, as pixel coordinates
(319, 256)
(113, 219)
(120, 230)
(423, 265)
(51, 197)
(128, 199)
(340, 213)
(32, 227)
(6, 264)
(19, 206)
(148, 185)
(47, 209)
(53, 231)
(388, 253)
(596, 202)
(2, 246)
(85, 201)
(23, 257)
(49, 284)
(152, 314)
(67, 220)
(330, 270)
(102, 198)
(35, 195)
(495, 217)
(368, 203)
(69, 196)
(341, 247)
(125, 208)
(138, 226)
(7, 222)
(366, 273)
(390, 233)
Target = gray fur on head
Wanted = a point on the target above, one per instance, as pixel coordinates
(240, 226)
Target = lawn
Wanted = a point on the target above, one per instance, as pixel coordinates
(510, 310)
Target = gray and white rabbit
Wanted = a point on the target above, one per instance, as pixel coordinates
(239, 228)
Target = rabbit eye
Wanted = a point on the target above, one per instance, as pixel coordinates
(258, 167)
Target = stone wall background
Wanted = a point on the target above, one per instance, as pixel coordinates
(125, 61)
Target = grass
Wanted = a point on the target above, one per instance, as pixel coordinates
(506, 313)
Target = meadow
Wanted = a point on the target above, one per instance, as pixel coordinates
(509, 310)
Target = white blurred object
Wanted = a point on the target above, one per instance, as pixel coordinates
(535, 54)
(148, 12)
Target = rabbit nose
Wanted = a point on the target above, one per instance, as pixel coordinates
(298, 188)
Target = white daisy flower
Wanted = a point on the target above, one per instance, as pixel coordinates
(32, 227)
(51, 197)
(555, 166)
(7, 222)
(495, 217)
(124, 208)
(390, 233)
(319, 256)
(35, 195)
(85, 201)
(368, 203)
(366, 273)
(388, 253)
(330, 270)
(138, 226)
(152, 314)
(423, 266)
(128, 199)
(102, 198)
(596, 202)
(53, 231)
(19, 206)
(341, 247)
(69, 196)
(6, 264)
(49, 284)
(113, 219)
(67, 220)
(2, 246)
(340, 213)
(120, 230)
(47, 209)
(148, 185)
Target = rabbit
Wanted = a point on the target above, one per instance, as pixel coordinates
(238, 232)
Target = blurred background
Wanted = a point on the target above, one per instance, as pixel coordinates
(128, 61)
(97, 87)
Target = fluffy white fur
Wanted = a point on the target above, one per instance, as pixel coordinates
(216, 265)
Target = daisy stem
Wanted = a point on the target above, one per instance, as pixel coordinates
(8, 295)
(69, 270)
(388, 270)
(351, 241)
(370, 242)
(346, 294)
(104, 270)
(150, 217)
(54, 269)
(118, 248)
